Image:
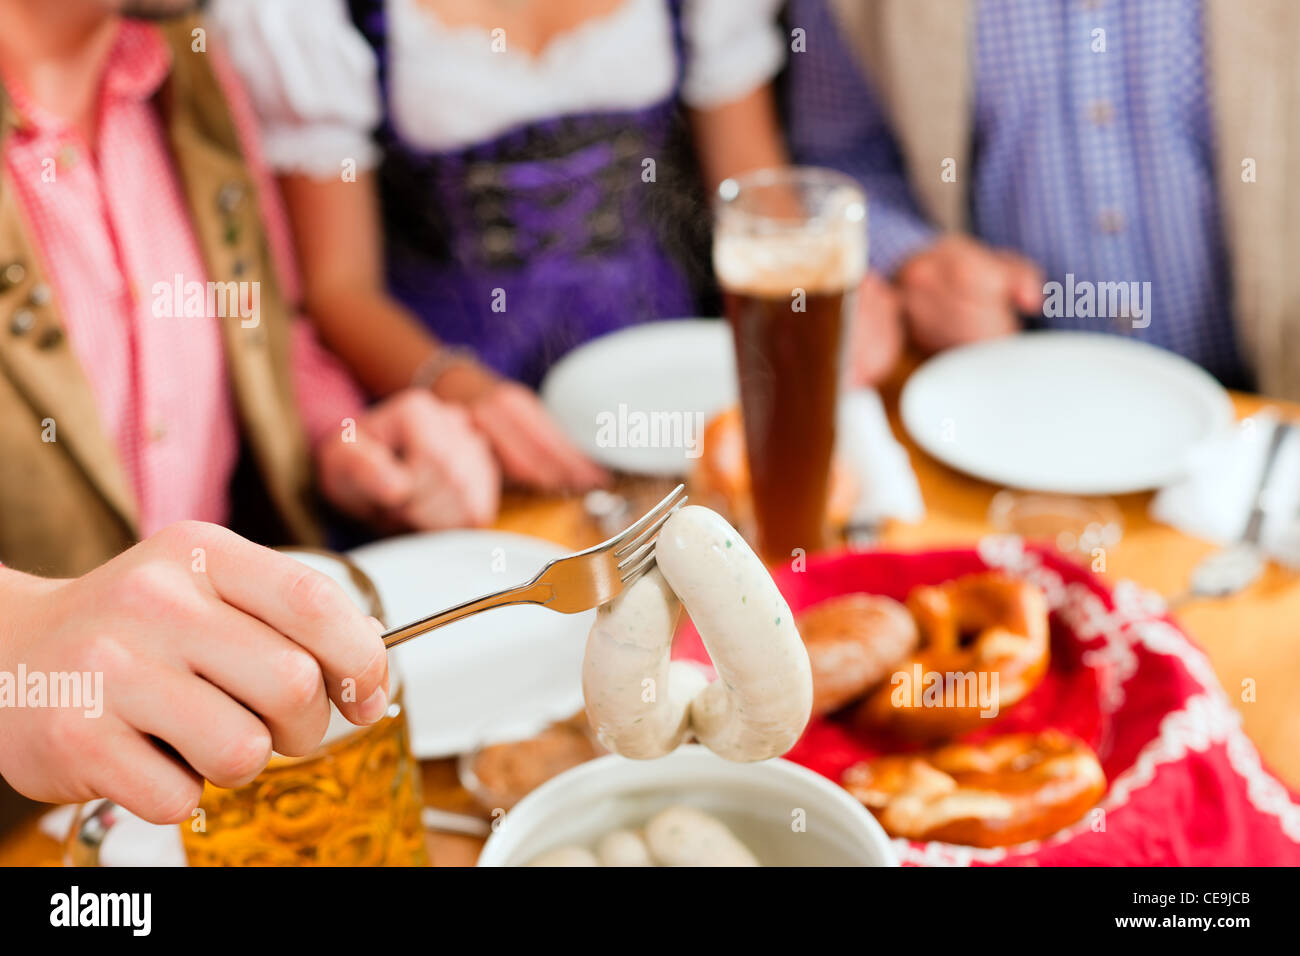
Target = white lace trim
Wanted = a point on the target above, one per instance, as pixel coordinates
(1205, 719)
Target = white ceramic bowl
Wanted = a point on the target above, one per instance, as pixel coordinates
(761, 802)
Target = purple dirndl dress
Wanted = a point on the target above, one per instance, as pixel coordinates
(531, 243)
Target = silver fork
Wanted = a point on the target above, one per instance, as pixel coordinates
(578, 582)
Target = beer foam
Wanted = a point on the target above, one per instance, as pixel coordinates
(818, 258)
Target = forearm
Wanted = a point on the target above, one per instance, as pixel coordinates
(381, 341)
(17, 591)
(339, 236)
(739, 136)
(895, 231)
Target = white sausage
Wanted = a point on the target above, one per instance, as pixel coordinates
(762, 699)
(623, 848)
(684, 836)
(642, 705)
(566, 856)
(638, 705)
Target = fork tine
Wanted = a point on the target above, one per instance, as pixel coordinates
(635, 558)
(646, 563)
(648, 536)
(622, 539)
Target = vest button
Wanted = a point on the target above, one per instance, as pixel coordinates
(39, 296)
(22, 322)
(498, 241)
(627, 145)
(12, 274)
(482, 176)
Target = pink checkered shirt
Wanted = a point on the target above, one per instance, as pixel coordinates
(108, 227)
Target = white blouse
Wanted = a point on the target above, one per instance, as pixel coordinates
(313, 77)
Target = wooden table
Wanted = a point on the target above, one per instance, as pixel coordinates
(1254, 635)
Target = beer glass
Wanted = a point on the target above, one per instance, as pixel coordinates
(789, 250)
(354, 801)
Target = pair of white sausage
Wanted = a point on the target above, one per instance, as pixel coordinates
(677, 836)
(642, 705)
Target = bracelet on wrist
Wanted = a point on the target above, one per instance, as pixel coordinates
(442, 361)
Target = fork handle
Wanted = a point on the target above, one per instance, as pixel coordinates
(531, 593)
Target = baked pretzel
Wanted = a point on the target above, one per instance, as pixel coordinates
(982, 635)
(1001, 791)
(854, 641)
(720, 478)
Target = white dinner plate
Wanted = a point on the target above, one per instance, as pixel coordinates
(1068, 412)
(634, 399)
(498, 675)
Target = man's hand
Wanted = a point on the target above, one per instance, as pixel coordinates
(876, 336)
(529, 445)
(960, 290)
(211, 651)
(413, 462)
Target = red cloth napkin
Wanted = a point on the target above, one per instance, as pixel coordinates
(1186, 786)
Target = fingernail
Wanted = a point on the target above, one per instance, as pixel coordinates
(374, 706)
(377, 624)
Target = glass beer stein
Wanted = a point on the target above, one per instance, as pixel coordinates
(789, 250)
(355, 801)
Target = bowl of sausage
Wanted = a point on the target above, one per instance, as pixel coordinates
(688, 808)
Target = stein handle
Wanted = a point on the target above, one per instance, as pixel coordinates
(89, 828)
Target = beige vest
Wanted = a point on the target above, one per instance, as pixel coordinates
(66, 505)
(917, 56)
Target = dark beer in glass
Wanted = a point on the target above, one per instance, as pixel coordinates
(790, 249)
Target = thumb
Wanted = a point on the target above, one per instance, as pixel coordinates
(1024, 282)
(377, 475)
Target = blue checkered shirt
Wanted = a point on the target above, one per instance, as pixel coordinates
(1095, 164)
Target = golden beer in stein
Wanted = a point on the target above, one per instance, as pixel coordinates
(355, 801)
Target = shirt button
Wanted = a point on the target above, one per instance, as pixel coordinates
(157, 432)
(66, 157)
(229, 196)
(1100, 113)
(1110, 221)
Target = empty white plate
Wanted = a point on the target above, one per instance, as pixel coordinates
(636, 399)
(500, 674)
(1067, 412)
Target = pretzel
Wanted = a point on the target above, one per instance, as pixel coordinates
(984, 646)
(720, 478)
(853, 642)
(1001, 791)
